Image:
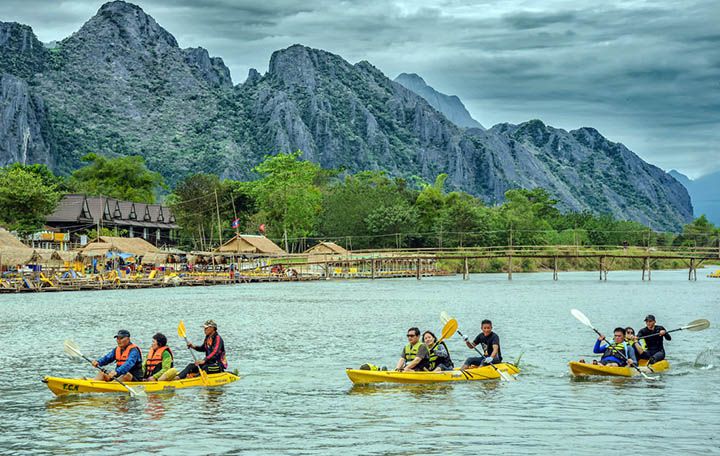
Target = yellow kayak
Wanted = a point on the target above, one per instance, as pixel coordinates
(588, 369)
(63, 386)
(359, 376)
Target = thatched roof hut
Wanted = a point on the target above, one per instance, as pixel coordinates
(155, 258)
(104, 244)
(248, 243)
(14, 257)
(326, 248)
(8, 241)
(13, 252)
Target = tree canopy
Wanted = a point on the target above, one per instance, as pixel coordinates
(125, 178)
(27, 196)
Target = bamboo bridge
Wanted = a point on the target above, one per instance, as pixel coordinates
(373, 264)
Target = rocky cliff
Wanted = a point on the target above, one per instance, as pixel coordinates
(122, 85)
(449, 105)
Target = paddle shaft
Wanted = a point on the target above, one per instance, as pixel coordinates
(132, 391)
(657, 333)
(483, 354)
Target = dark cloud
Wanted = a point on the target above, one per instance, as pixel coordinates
(643, 73)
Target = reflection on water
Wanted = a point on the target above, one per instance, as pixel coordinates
(292, 343)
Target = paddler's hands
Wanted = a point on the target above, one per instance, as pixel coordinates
(200, 362)
(189, 345)
(630, 362)
(95, 363)
(601, 338)
(662, 332)
(112, 375)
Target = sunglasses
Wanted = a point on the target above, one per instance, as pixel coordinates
(413, 335)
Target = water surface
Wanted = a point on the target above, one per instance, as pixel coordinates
(292, 342)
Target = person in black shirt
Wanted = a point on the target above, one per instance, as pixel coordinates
(653, 335)
(489, 345)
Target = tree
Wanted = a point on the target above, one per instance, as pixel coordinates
(125, 178)
(288, 195)
(25, 200)
(194, 205)
(700, 232)
(347, 203)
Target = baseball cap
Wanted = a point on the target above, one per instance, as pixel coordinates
(210, 323)
(650, 317)
(122, 333)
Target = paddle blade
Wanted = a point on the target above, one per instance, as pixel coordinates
(581, 317)
(449, 329)
(444, 317)
(181, 330)
(204, 377)
(72, 349)
(697, 325)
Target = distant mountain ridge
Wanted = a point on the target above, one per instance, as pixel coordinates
(449, 105)
(704, 193)
(121, 85)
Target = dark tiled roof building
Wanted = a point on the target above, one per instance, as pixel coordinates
(79, 213)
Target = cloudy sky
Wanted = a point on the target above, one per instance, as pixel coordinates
(644, 73)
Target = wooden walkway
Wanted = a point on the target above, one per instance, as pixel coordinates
(373, 263)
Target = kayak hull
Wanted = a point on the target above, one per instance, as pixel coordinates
(358, 376)
(64, 386)
(578, 369)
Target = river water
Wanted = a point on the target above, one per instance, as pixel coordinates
(292, 342)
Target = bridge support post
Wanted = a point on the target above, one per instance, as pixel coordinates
(466, 270)
(646, 266)
(417, 269)
(510, 263)
(555, 268)
(692, 272)
(327, 271)
(372, 269)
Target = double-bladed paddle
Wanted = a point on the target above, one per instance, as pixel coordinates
(695, 325)
(73, 351)
(504, 375)
(586, 321)
(183, 335)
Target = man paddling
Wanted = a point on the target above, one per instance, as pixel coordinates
(653, 334)
(617, 353)
(214, 348)
(489, 342)
(127, 357)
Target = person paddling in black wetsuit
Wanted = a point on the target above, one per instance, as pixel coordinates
(653, 335)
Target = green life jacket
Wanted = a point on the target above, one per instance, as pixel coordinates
(411, 351)
(435, 360)
(640, 342)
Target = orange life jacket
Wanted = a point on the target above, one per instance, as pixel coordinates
(154, 360)
(122, 356)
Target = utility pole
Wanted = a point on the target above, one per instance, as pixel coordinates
(217, 208)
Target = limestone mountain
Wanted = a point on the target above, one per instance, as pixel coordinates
(122, 85)
(449, 105)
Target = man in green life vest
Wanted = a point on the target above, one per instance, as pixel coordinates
(414, 349)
